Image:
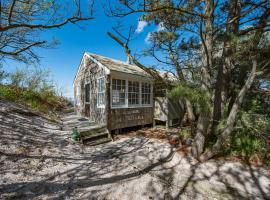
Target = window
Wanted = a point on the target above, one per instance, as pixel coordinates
(129, 93)
(100, 92)
(133, 93)
(87, 93)
(118, 92)
(146, 93)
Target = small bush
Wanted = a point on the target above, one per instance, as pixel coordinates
(250, 137)
(185, 133)
(8, 93)
(246, 144)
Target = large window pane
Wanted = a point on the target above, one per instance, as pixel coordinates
(118, 92)
(101, 91)
(146, 93)
(133, 92)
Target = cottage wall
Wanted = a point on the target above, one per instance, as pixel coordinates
(89, 73)
(128, 117)
(167, 109)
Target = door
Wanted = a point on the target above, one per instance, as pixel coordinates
(87, 99)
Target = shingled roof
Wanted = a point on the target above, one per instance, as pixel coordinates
(119, 66)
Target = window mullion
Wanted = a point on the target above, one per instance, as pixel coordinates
(126, 94)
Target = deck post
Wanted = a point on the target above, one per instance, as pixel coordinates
(167, 124)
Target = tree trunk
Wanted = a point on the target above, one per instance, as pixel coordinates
(224, 69)
(190, 113)
(232, 117)
(201, 132)
(207, 58)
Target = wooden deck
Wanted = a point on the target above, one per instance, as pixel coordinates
(91, 133)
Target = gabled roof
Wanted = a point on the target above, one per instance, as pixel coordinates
(119, 66)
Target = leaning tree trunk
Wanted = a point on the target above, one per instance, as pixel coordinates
(232, 117)
(207, 58)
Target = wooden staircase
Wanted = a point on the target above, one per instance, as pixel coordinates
(95, 136)
(90, 132)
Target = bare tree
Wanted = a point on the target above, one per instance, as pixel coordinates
(23, 21)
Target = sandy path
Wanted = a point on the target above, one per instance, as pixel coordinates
(38, 161)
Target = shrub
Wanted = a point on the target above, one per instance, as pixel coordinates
(185, 133)
(250, 137)
(8, 93)
(32, 87)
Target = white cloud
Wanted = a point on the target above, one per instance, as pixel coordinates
(141, 26)
(160, 27)
(148, 37)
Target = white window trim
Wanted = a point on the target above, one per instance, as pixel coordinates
(151, 94)
(126, 100)
(104, 91)
(140, 105)
(134, 105)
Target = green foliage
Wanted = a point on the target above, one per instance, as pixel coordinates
(31, 86)
(185, 133)
(40, 101)
(195, 95)
(250, 136)
(8, 93)
(33, 78)
(246, 144)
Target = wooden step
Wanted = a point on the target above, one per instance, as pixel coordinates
(93, 131)
(97, 142)
(94, 136)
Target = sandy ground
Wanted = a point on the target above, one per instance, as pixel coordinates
(38, 161)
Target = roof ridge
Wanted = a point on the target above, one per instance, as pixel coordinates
(123, 62)
(118, 65)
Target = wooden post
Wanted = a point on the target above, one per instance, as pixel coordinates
(110, 135)
(154, 123)
(167, 124)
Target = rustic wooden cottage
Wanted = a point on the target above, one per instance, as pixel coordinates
(113, 93)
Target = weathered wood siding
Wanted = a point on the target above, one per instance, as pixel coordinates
(128, 117)
(167, 109)
(161, 108)
(89, 73)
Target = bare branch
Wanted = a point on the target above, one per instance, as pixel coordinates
(23, 49)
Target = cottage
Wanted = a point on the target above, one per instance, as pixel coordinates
(113, 93)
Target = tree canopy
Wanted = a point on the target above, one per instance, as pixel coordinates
(217, 49)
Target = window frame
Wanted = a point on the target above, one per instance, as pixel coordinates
(134, 93)
(111, 91)
(126, 105)
(150, 94)
(98, 92)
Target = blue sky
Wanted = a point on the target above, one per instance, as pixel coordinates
(89, 36)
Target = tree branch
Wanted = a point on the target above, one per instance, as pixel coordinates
(23, 49)
(42, 26)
